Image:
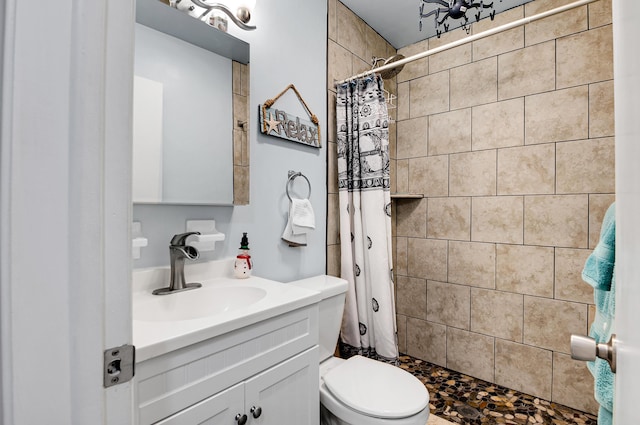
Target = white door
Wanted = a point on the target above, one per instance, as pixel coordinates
(65, 208)
(626, 30)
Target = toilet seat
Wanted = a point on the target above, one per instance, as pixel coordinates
(349, 416)
(389, 392)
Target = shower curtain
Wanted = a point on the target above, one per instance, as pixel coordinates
(369, 320)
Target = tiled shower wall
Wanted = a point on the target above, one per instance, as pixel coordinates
(510, 139)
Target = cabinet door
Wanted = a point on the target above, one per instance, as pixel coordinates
(220, 409)
(286, 394)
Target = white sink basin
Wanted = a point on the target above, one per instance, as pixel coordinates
(164, 323)
(197, 303)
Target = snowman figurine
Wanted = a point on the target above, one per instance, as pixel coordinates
(242, 266)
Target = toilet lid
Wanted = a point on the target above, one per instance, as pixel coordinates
(376, 389)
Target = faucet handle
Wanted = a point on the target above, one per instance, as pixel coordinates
(180, 239)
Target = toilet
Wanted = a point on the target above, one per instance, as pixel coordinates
(360, 391)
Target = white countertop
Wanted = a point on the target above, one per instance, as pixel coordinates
(155, 338)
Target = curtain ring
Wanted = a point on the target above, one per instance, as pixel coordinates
(292, 177)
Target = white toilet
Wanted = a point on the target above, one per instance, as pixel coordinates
(360, 391)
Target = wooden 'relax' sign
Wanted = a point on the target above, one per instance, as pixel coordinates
(276, 122)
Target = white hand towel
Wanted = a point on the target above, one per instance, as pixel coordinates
(302, 217)
(289, 236)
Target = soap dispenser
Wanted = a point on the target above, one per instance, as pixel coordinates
(242, 266)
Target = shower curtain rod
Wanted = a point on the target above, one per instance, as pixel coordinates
(470, 39)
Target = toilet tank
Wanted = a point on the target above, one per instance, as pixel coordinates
(331, 307)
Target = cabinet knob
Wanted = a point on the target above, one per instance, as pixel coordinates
(256, 411)
(241, 419)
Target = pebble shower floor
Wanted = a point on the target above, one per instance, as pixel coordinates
(462, 399)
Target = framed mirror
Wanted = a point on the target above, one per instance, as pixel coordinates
(187, 145)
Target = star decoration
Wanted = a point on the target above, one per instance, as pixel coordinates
(273, 124)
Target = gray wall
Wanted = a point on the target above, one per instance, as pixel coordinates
(284, 50)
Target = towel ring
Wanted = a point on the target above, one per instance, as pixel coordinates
(292, 177)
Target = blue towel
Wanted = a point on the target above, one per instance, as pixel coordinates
(605, 417)
(599, 272)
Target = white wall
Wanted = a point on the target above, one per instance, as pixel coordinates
(289, 46)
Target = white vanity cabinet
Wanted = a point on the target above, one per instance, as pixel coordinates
(222, 408)
(287, 393)
(278, 396)
(270, 366)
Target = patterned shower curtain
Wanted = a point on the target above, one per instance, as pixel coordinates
(369, 320)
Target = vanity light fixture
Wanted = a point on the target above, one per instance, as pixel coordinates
(241, 17)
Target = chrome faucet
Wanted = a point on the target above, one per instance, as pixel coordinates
(178, 251)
